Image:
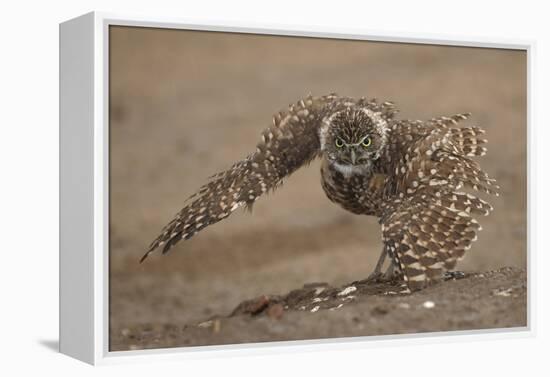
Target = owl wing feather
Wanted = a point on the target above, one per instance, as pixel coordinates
(291, 142)
(428, 221)
(424, 240)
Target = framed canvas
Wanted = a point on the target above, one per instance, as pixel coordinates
(395, 151)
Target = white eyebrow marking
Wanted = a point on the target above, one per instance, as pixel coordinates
(356, 144)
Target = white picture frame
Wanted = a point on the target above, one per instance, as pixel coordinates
(84, 205)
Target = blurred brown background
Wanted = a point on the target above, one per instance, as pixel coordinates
(185, 105)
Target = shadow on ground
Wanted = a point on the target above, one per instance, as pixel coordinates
(52, 345)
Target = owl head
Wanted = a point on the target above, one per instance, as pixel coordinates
(353, 138)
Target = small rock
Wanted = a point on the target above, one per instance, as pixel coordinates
(319, 290)
(315, 309)
(258, 305)
(378, 310)
(275, 311)
(403, 305)
(347, 291)
(320, 299)
(428, 304)
(217, 326)
(315, 285)
(337, 307)
(253, 307)
(205, 324)
(503, 292)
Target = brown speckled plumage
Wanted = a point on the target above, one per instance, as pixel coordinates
(409, 174)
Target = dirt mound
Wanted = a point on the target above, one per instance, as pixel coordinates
(494, 299)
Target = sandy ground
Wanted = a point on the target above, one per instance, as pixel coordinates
(185, 105)
(489, 300)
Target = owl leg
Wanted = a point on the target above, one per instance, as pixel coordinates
(390, 273)
(376, 275)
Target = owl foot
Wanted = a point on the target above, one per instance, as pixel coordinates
(378, 277)
(453, 275)
(374, 277)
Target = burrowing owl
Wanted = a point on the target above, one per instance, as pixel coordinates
(409, 174)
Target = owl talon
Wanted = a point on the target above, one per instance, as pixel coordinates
(453, 275)
(378, 277)
(373, 278)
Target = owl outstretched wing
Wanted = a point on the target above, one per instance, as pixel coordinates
(430, 223)
(291, 142)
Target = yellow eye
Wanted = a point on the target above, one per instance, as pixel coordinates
(339, 143)
(366, 142)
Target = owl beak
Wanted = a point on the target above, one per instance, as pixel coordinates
(353, 157)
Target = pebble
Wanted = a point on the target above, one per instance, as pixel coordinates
(428, 304)
(319, 290)
(404, 305)
(315, 309)
(315, 285)
(217, 326)
(258, 305)
(319, 299)
(347, 291)
(503, 292)
(276, 311)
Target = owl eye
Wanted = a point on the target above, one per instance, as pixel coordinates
(366, 142)
(339, 143)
